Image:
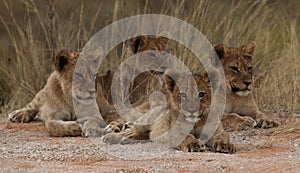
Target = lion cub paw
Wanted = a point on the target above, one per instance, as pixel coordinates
(114, 126)
(19, 116)
(224, 147)
(265, 124)
(191, 144)
(246, 123)
(196, 146)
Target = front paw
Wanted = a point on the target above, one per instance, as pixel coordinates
(246, 123)
(195, 145)
(265, 124)
(113, 126)
(19, 116)
(224, 147)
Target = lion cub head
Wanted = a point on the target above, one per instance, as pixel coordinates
(79, 82)
(150, 47)
(237, 64)
(191, 93)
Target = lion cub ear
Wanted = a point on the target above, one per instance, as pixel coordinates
(220, 50)
(61, 59)
(249, 49)
(171, 78)
(138, 43)
(163, 39)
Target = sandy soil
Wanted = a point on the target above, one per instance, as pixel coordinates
(27, 148)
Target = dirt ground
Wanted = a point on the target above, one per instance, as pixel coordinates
(27, 148)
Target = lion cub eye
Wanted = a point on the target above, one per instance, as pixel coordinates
(250, 69)
(183, 95)
(201, 94)
(95, 76)
(79, 76)
(235, 69)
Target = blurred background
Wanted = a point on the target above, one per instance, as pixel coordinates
(32, 31)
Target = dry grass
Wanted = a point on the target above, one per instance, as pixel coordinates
(32, 31)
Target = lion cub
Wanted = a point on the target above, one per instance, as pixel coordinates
(144, 71)
(241, 110)
(182, 123)
(54, 103)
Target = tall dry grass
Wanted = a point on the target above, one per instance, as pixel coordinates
(32, 31)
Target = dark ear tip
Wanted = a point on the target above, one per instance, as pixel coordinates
(220, 50)
(218, 46)
(170, 79)
(61, 59)
(138, 41)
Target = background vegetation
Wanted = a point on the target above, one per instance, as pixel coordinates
(31, 31)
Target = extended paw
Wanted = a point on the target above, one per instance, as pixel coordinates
(246, 123)
(113, 126)
(112, 138)
(265, 123)
(194, 146)
(197, 146)
(224, 147)
(19, 116)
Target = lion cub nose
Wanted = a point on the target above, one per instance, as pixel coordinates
(192, 111)
(91, 92)
(247, 83)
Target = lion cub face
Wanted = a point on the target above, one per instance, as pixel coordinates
(79, 83)
(237, 65)
(190, 94)
(151, 57)
(144, 43)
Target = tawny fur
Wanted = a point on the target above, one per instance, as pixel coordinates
(54, 103)
(179, 115)
(241, 111)
(153, 64)
(144, 82)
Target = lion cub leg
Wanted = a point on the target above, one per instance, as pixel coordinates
(27, 113)
(61, 123)
(221, 143)
(130, 134)
(233, 122)
(117, 125)
(60, 128)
